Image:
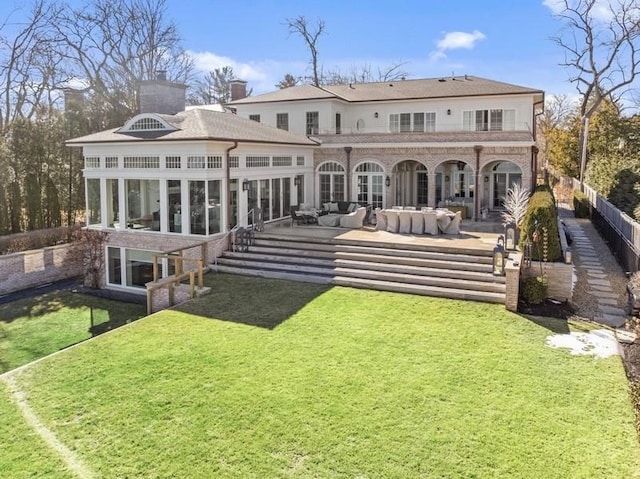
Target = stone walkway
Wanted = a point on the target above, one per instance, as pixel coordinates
(600, 283)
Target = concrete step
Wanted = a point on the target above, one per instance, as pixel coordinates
(381, 285)
(382, 255)
(440, 269)
(400, 277)
(337, 244)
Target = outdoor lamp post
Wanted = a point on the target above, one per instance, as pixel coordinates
(245, 185)
(511, 236)
(499, 257)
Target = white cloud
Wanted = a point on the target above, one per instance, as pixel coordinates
(556, 6)
(262, 76)
(602, 10)
(454, 41)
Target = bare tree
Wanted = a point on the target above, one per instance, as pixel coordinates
(27, 66)
(364, 74)
(310, 34)
(90, 244)
(114, 44)
(600, 41)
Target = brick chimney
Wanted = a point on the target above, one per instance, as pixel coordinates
(238, 89)
(161, 96)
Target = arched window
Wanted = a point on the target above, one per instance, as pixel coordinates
(505, 174)
(331, 182)
(146, 122)
(369, 184)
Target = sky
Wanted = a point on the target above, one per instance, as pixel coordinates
(507, 40)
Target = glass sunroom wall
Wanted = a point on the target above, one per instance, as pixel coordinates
(143, 201)
(113, 203)
(94, 212)
(174, 206)
(275, 198)
(214, 206)
(197, 207)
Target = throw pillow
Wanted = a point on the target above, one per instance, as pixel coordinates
(326, 206)
(352, 207)
(333, 208)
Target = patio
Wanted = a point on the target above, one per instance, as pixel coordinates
(481, 235)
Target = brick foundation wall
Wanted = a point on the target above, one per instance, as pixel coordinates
(29, 269)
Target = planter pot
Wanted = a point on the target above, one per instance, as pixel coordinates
(634, 300)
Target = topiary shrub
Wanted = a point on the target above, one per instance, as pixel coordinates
(533, 290)
(547, 189)
(580, 205)
(540, 226)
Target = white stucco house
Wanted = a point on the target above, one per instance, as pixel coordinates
(411, 142)
(170, 176)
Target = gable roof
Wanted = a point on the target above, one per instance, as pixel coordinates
(445, 87)
(200, 124)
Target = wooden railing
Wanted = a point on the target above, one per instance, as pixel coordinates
(170, 282)
(179, 259)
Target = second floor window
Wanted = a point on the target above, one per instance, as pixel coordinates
(489, 120)
(313, 123)
(282, 121)
(416, 122)
(255, 118)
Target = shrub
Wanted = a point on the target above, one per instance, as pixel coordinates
(580, 205)
(533, 290)
(35, 239)
(540, 226)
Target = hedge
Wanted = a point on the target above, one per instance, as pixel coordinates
(541, 213)
(36, 239)
(580, 205)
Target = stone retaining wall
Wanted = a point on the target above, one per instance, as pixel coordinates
(29, 269)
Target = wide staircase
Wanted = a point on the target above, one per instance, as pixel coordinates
(429, 270)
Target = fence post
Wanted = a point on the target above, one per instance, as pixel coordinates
(149, 301)
(155, 268)
(192, 283)
(200, 274)
(171, 294)
(203, 252)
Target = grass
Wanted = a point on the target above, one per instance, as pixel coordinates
(31, 328)
(22, 452)
(274, 379)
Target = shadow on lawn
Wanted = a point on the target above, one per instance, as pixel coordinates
(105, 312)
(261, 302)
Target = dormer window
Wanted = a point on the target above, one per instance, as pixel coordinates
(146, 122)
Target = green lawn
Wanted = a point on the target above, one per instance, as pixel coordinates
(307, 381)
(31, 328)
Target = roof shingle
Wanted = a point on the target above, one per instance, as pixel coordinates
(201, 124)
(445, 87)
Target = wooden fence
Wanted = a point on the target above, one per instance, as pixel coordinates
(621, 232)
